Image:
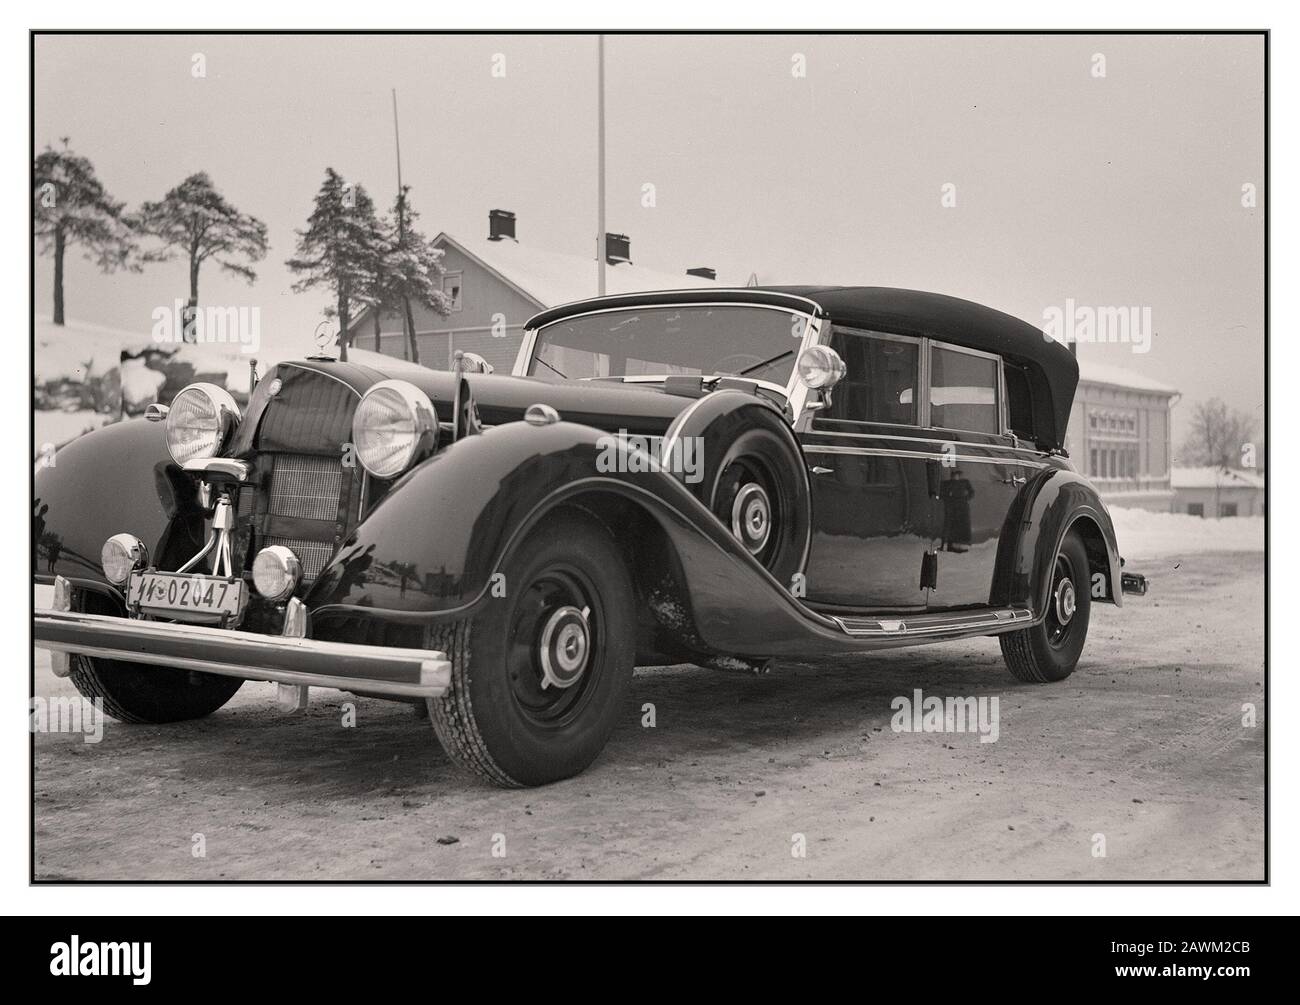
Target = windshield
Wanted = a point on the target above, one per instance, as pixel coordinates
(731, 339)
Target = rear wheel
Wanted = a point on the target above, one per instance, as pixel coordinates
(1049, 651)
(539, 677)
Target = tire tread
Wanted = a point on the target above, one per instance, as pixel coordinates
(452, 715)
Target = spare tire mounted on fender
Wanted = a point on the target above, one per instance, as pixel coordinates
(751, 475)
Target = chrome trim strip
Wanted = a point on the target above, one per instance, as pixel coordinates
(863, 627)
(748, 291)
(658, 378)
(324, 373)
(411, 673)
(925, 439)
(817, 448)
(674, 430)
(229, 466)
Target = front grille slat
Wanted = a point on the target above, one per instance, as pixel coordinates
(312, 554)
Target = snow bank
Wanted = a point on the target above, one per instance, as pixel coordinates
(77, 350)
(140, 385)
(1143, 534)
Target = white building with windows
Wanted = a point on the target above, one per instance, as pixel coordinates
(1120, 436)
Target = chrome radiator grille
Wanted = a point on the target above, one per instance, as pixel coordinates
(305, 486)
(304, 497)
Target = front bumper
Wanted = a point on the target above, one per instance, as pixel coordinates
(300, 662)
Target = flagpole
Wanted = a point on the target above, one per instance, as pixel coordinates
(397, 140)
(401, 235)
(600, 165)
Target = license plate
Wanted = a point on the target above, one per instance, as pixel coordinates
(187, 593)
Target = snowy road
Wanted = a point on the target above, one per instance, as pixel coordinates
(1142, 754)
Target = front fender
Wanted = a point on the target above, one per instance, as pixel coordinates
(429, 550)
(1056, 502)
(119, 478)
(431, 546)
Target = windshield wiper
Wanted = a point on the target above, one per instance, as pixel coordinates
(766, 363)
(549, 367)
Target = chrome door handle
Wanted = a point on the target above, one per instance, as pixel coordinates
(819, 470)
(1014, 480)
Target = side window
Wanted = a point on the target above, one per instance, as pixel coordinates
(963, 391)
(1020, 405)
(881, 379)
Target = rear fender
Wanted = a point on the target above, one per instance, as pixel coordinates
(1055, 503)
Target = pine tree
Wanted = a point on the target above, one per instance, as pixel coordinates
(71, 206)
(195, 220)
(342, 249)
(411, 272)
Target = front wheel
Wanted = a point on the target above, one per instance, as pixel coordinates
(134, 693)
(539, 677)
(138, 693)
(1049, 651)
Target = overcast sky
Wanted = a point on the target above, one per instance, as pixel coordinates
(1122, 190)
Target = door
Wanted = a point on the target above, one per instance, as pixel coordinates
(871, 502)
(976, 477)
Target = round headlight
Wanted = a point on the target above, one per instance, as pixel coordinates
(276, 571)
(820, 366)
(201, 421)
(394, 425)
(121, 554)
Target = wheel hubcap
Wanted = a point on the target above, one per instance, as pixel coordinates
(751, 517)
(1064, 601)
(564, 646)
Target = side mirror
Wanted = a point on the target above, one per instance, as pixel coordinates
(820, 369)
(471, 362)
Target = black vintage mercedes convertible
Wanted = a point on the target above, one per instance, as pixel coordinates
(721, 477)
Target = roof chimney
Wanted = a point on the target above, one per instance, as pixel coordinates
(501, 223)
(703, 272)
(618, 248)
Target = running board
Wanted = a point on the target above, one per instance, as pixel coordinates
(936, 625)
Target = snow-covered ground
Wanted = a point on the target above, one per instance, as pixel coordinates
(1142, 534)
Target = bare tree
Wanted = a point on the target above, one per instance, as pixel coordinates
(1216, 439)
(1217, 435)
(71, 206)
(195, 219)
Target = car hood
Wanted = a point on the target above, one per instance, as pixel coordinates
(640, 409)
